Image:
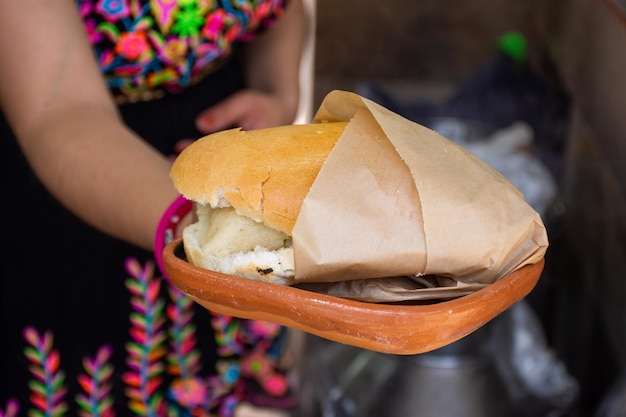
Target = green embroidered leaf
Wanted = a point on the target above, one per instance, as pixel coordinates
(83, 402)
(105, 404)
(134, 349)
(33, 355)
(57, 381)
(105, 372)
(59, 410)
(134, 286)
(144, 24)
(138, 320)
(36, 413)
(38, 387)
(109, 30)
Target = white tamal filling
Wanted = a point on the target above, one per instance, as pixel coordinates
(223, 241)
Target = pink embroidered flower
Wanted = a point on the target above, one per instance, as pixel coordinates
(189, 392)
(215, 22)
(85, 8)
(264, 328)
(262, 10)
(233, 33)
(132, 45)
(106, 58)
(92, 33)
(142, 44)
(276, 385)
(113, 10)
(257, 365)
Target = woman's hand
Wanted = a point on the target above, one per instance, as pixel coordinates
(248, 109)
(271, 66)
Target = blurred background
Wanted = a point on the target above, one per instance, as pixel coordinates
(550, 77)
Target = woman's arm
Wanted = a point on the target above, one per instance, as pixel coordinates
(55, 99)
(271, 65)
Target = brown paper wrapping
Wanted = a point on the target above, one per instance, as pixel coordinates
(396, 199)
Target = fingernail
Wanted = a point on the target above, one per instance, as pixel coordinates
(205, 123)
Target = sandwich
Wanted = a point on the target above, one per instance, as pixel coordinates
(356, 199)
(248, 188)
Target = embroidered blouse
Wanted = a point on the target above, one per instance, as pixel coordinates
(143, 46)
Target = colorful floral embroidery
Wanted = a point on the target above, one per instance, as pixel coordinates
(162, 348)
(143, 45)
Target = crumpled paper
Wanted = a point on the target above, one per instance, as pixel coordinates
(398, 212)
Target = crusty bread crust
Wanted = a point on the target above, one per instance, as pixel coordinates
(264, 174)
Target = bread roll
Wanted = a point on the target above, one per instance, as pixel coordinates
(248, 187)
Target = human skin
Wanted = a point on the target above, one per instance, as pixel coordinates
(69, 127)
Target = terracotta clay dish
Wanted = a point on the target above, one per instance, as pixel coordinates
(388, 328)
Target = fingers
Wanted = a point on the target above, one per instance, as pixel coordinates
(223, 115)
(247, 109)
(182, 144)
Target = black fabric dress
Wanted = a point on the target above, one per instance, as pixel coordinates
(58, 274)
